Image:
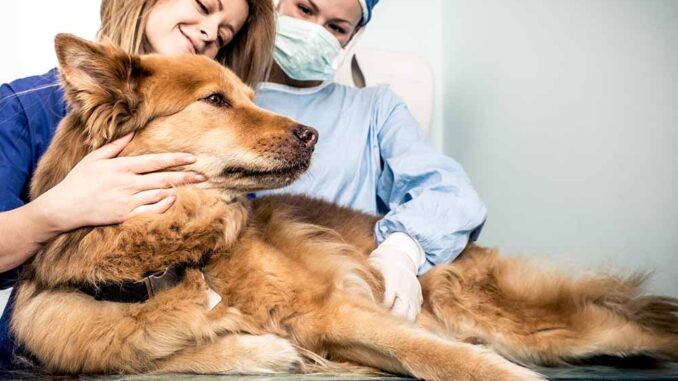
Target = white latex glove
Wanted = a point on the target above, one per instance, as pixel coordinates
(398, 258)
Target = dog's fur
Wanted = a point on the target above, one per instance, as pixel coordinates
(292, 271)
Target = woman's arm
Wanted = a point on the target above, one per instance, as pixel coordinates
(23, 230)
(432, 208)
(429, 196)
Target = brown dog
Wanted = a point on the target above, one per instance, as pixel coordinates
(278, 284)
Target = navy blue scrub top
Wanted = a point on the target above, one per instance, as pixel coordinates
(30, 110)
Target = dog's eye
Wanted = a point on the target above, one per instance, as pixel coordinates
(218, 100)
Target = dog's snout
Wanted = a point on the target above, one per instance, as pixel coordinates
(307, 135)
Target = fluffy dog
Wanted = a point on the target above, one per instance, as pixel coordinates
(281, 283)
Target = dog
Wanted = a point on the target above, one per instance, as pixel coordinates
(221, 284)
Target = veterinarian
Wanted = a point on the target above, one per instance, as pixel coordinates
(103, 189)
(372, 155)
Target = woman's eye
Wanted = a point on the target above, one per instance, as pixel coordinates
(221, 42)
(305, 10)
(217, 99)
(202, 7)
(337, 29)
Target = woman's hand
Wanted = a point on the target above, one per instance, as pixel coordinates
(403, 291)
(104, 189)
(101, 189)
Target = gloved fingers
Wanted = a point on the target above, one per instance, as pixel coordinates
(389, 298)
(412, 312)
(418, 302)
(400, 307)
(418, 298)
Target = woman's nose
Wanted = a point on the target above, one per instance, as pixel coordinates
(208, 30)
(206, 36)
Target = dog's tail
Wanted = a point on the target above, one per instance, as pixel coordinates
(536, 315)
(625, 297)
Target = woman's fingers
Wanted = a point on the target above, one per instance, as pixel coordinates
(160, 180)
(157, 208)
(115, 185)
(151, 196)
(109, 150)
(154, 162)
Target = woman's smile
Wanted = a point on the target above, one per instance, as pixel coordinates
(190, 45)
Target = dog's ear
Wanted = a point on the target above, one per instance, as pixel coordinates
(101, 85)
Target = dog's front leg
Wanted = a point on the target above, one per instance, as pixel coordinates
(70, 333)
(372, 337)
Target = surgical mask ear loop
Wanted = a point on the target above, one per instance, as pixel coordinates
(346, 51)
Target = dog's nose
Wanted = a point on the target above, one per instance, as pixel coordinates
(307, 135)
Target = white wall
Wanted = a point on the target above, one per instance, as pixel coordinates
(565, 114)
(28, 28)
(413, 26)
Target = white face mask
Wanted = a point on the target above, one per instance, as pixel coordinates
(306, 51)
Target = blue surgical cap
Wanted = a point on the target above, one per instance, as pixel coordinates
(367, 6)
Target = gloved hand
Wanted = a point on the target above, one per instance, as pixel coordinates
(397, 265)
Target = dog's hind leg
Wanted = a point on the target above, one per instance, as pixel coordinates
(534, 316)
(236, 354)
(370, 336)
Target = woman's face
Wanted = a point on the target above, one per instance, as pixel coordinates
(194, 26)
(339, 17)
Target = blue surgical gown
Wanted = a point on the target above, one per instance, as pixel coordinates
(373, 156)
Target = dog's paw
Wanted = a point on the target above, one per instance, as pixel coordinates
(474, 363)
(516, 373)
(495, 367)
(268, 354)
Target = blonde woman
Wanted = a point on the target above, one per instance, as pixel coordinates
(103, 189)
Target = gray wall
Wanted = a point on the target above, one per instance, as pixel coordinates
(565, 114)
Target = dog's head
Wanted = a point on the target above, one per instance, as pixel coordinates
(181, 104)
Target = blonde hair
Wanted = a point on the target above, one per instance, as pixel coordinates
(249, 54)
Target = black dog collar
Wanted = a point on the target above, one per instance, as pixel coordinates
(139, 291)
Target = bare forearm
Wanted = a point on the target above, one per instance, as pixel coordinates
(23, 230)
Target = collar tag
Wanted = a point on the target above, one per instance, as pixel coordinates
(213, 298)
